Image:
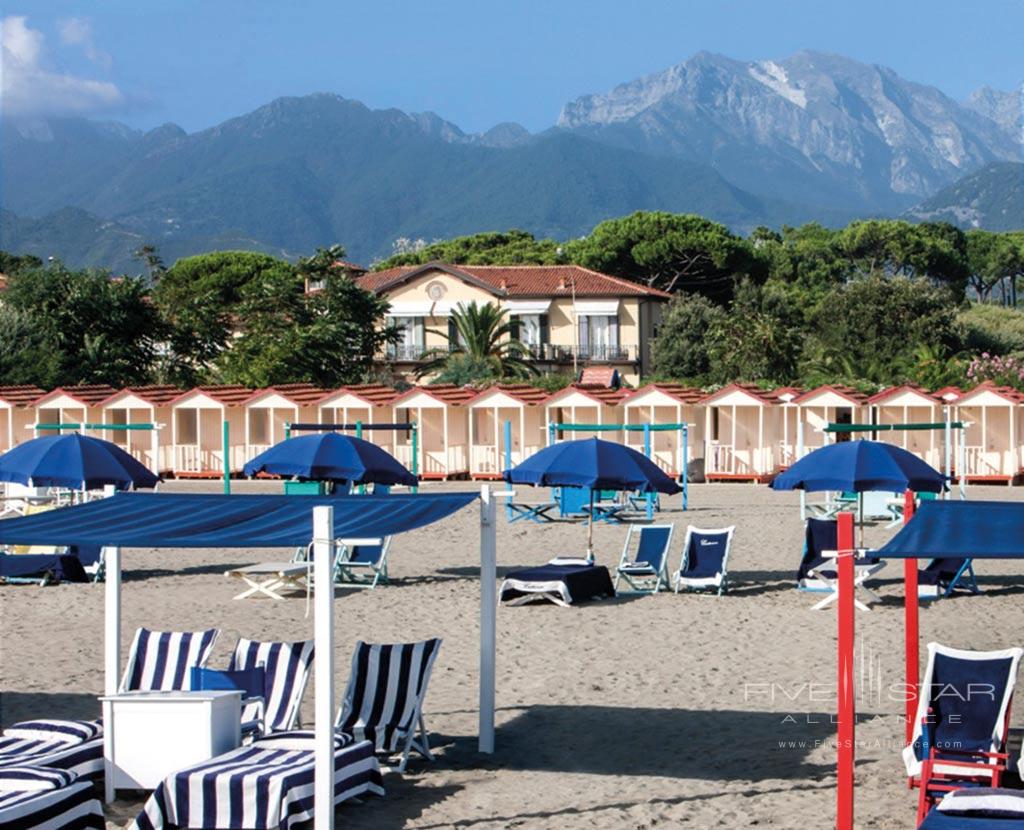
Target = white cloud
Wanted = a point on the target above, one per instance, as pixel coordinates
(30, 86)
(76, 31)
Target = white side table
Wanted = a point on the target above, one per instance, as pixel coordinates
(149, 735)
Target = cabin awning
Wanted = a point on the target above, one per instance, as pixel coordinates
(175, 520)
(977, 529)
(596, 308)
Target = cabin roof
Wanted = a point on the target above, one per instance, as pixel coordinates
(683, 394)
(86, 394)
(848, 392)
(522, 392)
(226, 394)
(300, 394)
(21, 396)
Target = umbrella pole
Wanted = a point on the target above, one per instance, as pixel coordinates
(590, 529)
(860, 504)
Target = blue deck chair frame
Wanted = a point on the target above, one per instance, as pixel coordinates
(817, 573)
(941, 577)
(705, 562)
(363, 562)
(646, 570)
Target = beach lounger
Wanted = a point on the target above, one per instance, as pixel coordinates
(647, 568)
(977, 808)
(383, 701)
(364, 564)
(160, 661)
(563, 581)
(267, 785)
(536, 512)
(817, 572)
(48, 799)
(941, 577)
(962, 720)
(705, 563)
(75, 746)
(41, 568)
(270, 578)
(286, 669)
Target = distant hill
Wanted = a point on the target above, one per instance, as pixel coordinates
(992, 198)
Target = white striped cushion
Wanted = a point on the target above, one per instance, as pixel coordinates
(984, 802)
(161, 661)
(287, 668)
(62, 731)
(24, 779)
(299, 739)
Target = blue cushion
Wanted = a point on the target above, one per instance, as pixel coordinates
(250, 681)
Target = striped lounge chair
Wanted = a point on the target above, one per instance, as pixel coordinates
(160, 661)
(267, 785)
(384, 698)
(73, 746)
(48, 799)
(286, 667)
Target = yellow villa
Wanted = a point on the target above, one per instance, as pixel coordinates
(569, 317)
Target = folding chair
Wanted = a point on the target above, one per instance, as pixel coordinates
(705, 562)
(648, 569)
(962, 721)
(286, 668)
(941, 577)
(160, 661)
(384, 698)
(817, 573)
(363, 562)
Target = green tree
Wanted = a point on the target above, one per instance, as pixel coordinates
(12, 263)
(993, 329)
(96, 329)
(509, 248)
(995, 260)
(154, 262)
(25, 356)
(682, 347)
(483, 334)
(673, 252)
(199, 297)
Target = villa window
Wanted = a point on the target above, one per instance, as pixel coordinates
(599, 336)
(530, 329)
(411, 343)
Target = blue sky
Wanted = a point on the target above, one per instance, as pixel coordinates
(474, 63)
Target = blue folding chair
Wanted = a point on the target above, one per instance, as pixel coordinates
(645, 570)
(364, 564)
(941, 577)
(705, 563)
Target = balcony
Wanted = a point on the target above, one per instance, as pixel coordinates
(540, 352)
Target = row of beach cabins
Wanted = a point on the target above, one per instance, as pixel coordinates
(736, 433)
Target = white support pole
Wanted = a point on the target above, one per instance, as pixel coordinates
(488, 617)
(799, 455)
(947, 451)
(111, 659)
(323, 599)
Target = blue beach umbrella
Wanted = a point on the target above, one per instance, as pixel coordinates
(74, 461)
(330, 456)
(860, 467)
(593, 463)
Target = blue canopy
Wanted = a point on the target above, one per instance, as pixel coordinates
(591, 462)
(861, 466)
(74, 461)
(975, 529)
(331, 456)
(173, 520)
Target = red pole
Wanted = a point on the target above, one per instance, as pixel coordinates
(846, 704)
(910, 626)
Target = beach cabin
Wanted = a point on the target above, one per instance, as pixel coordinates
(361, 405)
(742, 431)
(197, 430)
(71, 405)
(268, 412)
(441, 415)
(661, 404)
(519, 405)
(815, 410)
(992, 434)
(17, 414)
(585, 405)
(909, 404)
(142, 405)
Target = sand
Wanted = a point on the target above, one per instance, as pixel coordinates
(690, 711)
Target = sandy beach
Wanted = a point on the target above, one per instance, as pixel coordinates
(637, 712)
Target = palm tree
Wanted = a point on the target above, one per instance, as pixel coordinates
(483, 335)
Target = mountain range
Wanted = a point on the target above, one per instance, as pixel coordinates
(815, 136)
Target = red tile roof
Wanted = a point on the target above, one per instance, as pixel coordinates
(522, 392)
(226, 394)
(88, 394)
(350, 266)
(890, 391)
(447, 393)
(300, 394)
(519, 280)
(599, 376)
(20, 396)
(375, 394)
(683, 394)
(848, 392)
(155, 395)
(953, 392)
(1008, 392)
(767, 397)
(600, 394)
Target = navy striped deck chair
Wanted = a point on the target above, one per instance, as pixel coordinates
(962, 719)
(286, 669)
(161, 661)
(75, 746)
(364, 564)
(383, 701)
(705, 562)
(647, 568)
(48, 799)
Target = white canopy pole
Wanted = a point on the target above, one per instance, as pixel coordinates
(111, 659)
(323, 556)
(488, 617)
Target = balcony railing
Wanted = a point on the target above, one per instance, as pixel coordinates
(542, 352)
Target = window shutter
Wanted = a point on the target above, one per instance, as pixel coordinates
(513, 324)
(584, 336)
(613, 332)
(453, 332)
(545, 332)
